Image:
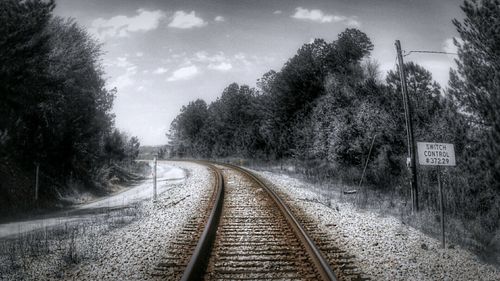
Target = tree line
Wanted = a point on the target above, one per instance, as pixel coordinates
(328, 103)
(55, 110)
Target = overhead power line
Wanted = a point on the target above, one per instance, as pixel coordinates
(429, 52)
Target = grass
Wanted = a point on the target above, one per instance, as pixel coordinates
(63, 246)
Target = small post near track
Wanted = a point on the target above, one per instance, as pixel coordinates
(437, 154)
(366, 162)
(155, 161)
(37, 173)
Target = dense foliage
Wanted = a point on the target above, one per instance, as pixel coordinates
(475, 89)
(54, 107)
(327, 105)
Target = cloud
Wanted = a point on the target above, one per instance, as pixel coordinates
(124, 81)
(179, 55)
(203, 56)
(278, 12)
(184, 73)
(122, 62)
(317, 15)
(223, 66)
(139, 54)
(160, 70)
(449, 46)
(242, 58)
(349, 21)
(440, 69)
(127, 78)
(122, 26)
(183, 20)
(217, 61)
(219, 18)
(312, 15)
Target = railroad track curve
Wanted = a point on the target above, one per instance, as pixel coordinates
(185, 258)
(258, 237)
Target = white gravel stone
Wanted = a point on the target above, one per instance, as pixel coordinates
(131, 252)
(384, 248)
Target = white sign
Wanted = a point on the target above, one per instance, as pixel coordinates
(436, 154)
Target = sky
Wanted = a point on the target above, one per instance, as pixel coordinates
(161, 54)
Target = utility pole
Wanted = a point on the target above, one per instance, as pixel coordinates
(409, 131)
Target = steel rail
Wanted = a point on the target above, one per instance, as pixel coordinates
(198, 261)
(317, 257)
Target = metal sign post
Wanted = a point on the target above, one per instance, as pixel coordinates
(441, 206)
(437, 154)
(154, 179)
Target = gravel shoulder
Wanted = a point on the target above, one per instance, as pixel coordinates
(127, 196)
(128, 252)
(384, 248)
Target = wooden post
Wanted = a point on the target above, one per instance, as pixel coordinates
(441, 206)
(366, 163)
(154, 180)
(36, 180)
(409, 130)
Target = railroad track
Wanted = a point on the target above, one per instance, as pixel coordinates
(179, 256)
(248, 233)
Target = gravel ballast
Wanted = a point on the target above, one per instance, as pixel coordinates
(384, 248)
(130, 252)
(133, 252)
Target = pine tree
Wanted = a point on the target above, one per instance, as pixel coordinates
(476, 83)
